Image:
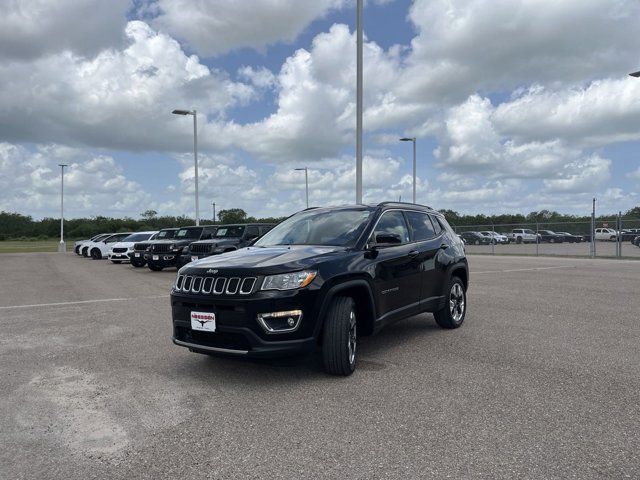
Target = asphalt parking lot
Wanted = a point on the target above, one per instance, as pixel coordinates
(603, 249)
(542, 381)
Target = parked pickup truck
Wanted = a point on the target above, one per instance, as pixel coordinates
(523, 235)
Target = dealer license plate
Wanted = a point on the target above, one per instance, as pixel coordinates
(156, 257)
(203, 321)
(136, 254)
(193, 259)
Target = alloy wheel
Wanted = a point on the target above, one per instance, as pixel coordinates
(456, 302)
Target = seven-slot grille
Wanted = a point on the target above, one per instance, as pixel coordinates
(161, 247)
(215, 285)
(119, 250)
(140, 246)
(200, 247)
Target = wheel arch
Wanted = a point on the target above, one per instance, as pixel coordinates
(360, 291)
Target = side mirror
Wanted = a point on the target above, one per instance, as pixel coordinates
(387, 240)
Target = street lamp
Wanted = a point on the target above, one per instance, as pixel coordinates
(62, 247)
(359, 102)
(195, 153)
(214, 211)
(635, 74)
(413, 139)
(306, 181)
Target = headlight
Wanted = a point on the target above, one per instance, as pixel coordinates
(288, 281)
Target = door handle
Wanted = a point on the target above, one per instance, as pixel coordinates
(444, 246)
(414, 253)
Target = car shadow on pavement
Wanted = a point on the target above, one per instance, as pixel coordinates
(374, 354)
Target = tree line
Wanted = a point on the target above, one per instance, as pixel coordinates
(18, 226)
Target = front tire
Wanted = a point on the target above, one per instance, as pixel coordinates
(138, 263)
(453, 313)
(339, 339)
(155, 268)
(117, 262)
(96, 254)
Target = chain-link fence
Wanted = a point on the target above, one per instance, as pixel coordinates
(615, 237)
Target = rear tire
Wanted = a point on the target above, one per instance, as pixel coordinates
(339, 339)
(155, 268)
(455, 309)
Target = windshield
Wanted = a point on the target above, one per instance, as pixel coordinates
(331, 228)
(166, 234)
(137, 237)
(189, 233)
(223, 232)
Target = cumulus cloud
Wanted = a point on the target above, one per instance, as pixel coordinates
(464, 46)
(212, 27)
(94, 184)
(605, 111)
(32, 28)
(119, 99)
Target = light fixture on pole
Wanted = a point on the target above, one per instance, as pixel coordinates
(62, 246)
(359, 40)
(412, 139)
(635, 74)
(195, 153)
(306, 181)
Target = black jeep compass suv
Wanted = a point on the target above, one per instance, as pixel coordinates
(323, 277)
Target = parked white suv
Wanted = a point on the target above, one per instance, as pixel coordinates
(99, 249)
(119, 252)
(495, 236)
(606, 234)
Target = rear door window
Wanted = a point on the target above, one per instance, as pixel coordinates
(421, 226)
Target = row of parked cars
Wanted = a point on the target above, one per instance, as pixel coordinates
(170, 247)
(527, 235)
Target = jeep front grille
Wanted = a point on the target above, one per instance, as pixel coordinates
(160, 248)
(140, 247)
(200, 248)
(196, 284)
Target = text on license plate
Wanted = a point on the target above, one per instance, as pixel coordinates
(204, 321)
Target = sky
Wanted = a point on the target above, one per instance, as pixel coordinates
(517, 105)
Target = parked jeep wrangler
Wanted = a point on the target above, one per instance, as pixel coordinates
(323, 277)
(226, 238)
(165, 253)
(140, 249)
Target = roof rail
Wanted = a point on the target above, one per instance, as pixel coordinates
(382, 204)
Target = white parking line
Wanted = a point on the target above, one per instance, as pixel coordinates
(525, 269)
(81, 302)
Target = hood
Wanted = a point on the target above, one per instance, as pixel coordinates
(272, 259)
(180, 242)
(124, 244)
(219, 241)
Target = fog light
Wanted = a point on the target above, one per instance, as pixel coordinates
(280, 322)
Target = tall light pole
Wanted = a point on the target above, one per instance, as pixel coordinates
(195, 153)
(413, 139)
(359, 102)
(306, 181)
(62, 246)
(213, 204)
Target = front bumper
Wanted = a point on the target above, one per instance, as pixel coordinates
(191, 257)
(237, 329)
(119, 256)
(162, 259)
